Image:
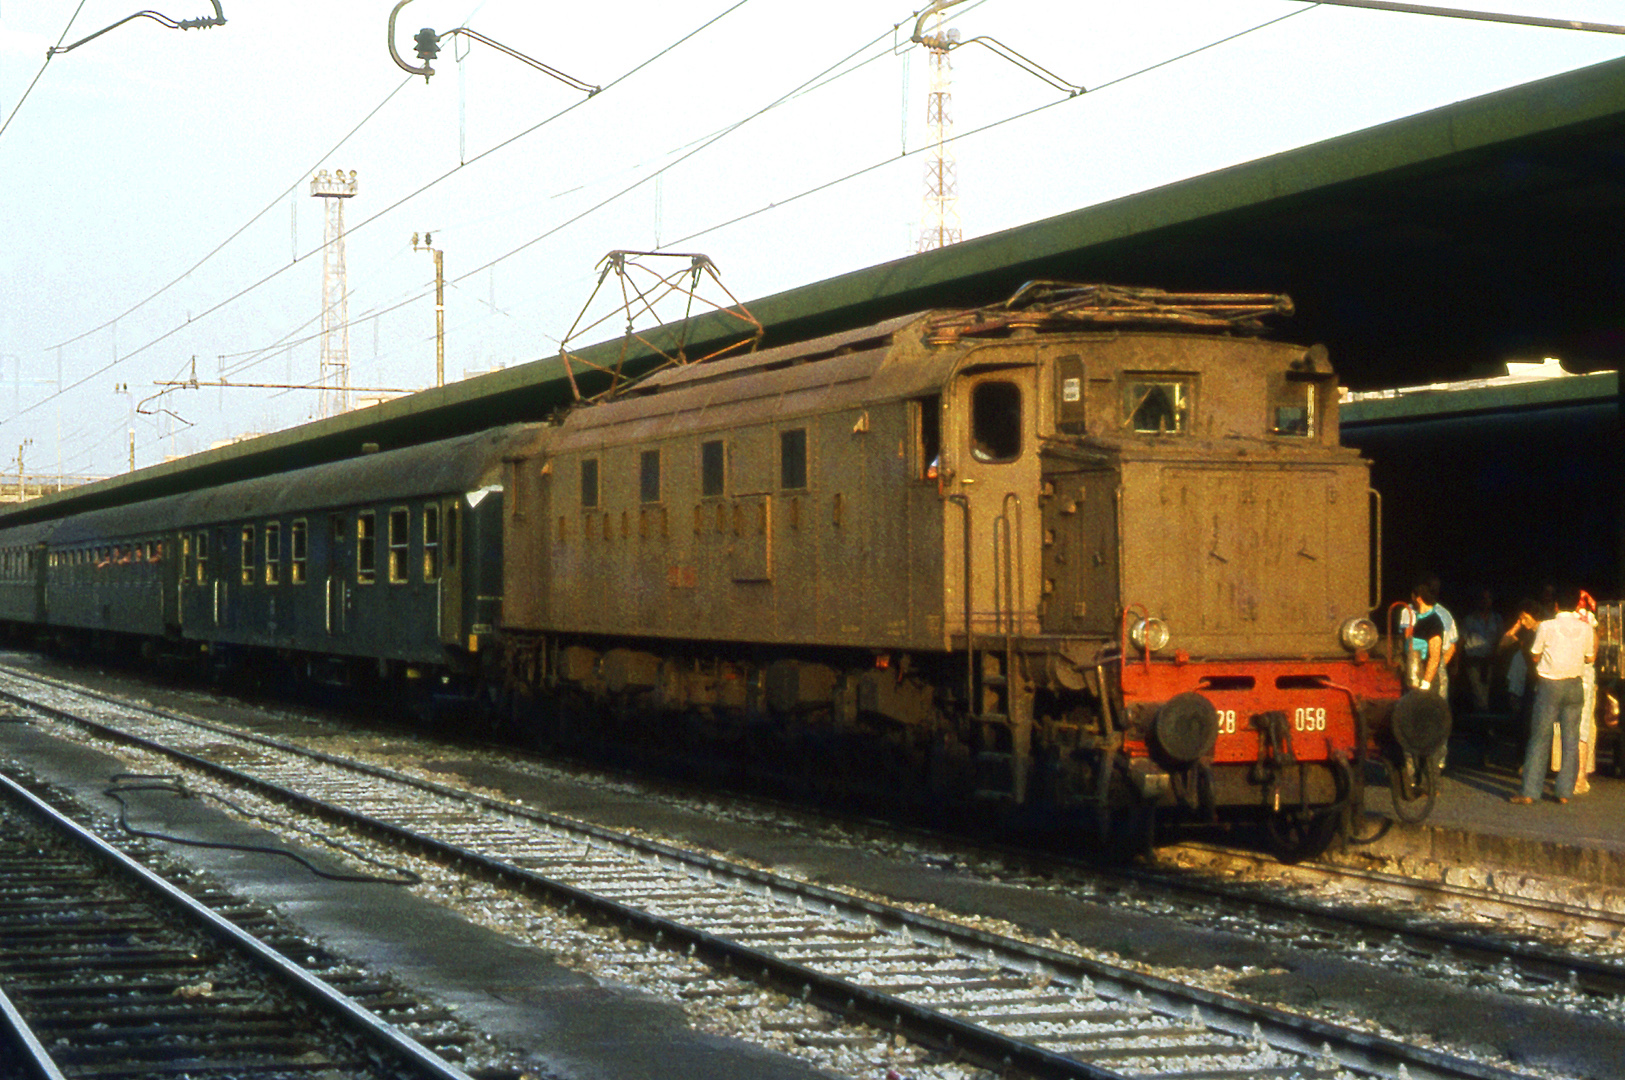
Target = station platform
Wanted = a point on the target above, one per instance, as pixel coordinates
(1474, 832)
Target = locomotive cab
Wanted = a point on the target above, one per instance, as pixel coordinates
(1165, 545)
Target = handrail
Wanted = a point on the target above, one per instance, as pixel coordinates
(1376, 534)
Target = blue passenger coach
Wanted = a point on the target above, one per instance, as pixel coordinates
(386, 562)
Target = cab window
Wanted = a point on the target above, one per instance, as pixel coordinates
(1292, 410)
(995, 422)
(1157, 406)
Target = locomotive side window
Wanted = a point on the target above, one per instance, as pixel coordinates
(431, 541)
(713, 469)
(299, 543)
(400, 539)
(589, 482)
(1157, 406)
(793, 458)
(1292, 410)
(649, 476)
(247, 549)
(273, 552)
(928, 430)
(995, 422)
(366, 547)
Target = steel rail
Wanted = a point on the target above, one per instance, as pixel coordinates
(1365, 1052)
(358, 1020)
(1594, 974)
(36, 1059)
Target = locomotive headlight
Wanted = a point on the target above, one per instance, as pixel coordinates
(1149, 634)
(1358, 634)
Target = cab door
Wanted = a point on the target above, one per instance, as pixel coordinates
(992, 455)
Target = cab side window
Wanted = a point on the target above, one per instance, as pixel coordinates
(995, 422)
(1292, 409)
(1156, 405)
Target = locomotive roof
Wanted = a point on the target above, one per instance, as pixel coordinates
(1041, 306)
(457, 465)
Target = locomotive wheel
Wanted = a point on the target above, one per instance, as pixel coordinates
(1296, 835)
(1415, 787)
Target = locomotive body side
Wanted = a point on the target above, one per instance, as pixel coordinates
(947, 542)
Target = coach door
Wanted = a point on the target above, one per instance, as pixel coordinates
(335, 579)
(451, 576)
(994, 478)
(170, 571)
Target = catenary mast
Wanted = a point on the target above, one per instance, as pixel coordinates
(334, 187)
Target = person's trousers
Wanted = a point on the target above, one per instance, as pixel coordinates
(1559, 702)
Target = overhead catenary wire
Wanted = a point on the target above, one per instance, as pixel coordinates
(826, 76)
(189, 271)
(49, 53)
(823, 78)
(959, 136)
(710, 229)
(374, 217)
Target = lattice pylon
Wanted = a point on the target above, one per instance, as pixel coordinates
(334, 378)
(939, 222)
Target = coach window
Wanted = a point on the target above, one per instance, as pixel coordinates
(713, 469)
(649, 476)
(589, 483)
(1156, 405)
(273, 552)
(431, 542)
(248, 555)
(793, 459)
(995, 422)
(400, 539)
(202, 548)
(298, 550)
(366, 547)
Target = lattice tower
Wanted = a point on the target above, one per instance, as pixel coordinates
(334, 380)
(939, 223)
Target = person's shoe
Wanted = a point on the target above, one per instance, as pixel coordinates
(1562, 801)
(1582, 787)
(1521, 800)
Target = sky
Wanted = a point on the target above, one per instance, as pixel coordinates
(157, 220)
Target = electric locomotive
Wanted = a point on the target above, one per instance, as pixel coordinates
(1093, 550)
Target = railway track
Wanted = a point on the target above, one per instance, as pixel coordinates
(110, 971)
(994, 1000)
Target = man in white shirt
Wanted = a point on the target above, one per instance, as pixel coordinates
(1564, 645)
